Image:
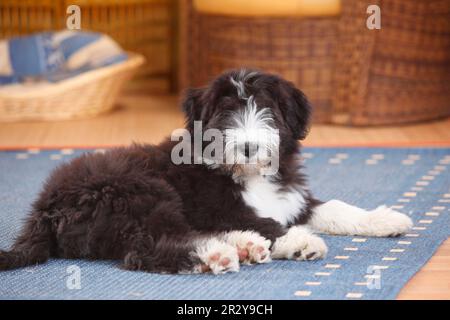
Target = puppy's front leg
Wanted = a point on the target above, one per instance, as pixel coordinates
(253, 236)
(295, 243)
(251, 246)
(299, 244)
(266, 227)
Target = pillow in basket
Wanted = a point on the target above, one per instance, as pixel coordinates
(54, 56)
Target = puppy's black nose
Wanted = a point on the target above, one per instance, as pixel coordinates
(250, 149)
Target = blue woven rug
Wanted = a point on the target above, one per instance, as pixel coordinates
(415, 181)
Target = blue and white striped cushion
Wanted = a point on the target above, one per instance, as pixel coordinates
(54, 56)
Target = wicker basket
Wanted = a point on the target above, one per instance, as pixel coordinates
(142, 26)
(398, 74)
(88, 94)
(300, 49)
(352, 75)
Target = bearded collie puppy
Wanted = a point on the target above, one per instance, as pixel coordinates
(208, 213)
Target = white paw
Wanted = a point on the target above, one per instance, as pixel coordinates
(299, 244)
(385, 222)
(251, 246)
(217, 256)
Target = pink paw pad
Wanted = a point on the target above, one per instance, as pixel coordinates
(252, 253)
(216, 259)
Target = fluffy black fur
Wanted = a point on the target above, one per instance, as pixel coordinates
(135, 205)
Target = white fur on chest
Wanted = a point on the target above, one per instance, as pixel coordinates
(269, 202)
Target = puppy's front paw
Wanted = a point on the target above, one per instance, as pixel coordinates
(251, 246)
(385, 222)
(217, 256)
(299, 244)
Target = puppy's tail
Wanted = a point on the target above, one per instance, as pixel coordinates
(31, 247)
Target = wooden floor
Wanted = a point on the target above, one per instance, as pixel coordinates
(149, 119)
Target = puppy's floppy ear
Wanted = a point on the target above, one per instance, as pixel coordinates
(192, 107)
(296, 110)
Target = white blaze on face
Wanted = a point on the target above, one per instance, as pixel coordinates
(252, 137)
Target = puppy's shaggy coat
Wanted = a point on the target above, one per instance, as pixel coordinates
(135, 205)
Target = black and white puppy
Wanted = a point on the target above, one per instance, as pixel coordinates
(135, 204)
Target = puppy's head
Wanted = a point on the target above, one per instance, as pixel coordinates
(261, 117)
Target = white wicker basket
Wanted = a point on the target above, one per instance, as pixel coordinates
(87, 94)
